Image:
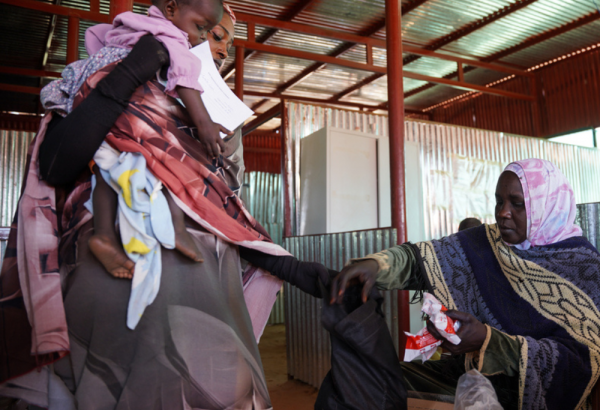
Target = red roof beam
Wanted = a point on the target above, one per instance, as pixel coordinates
(60, 10)
(377, 69)
(547, 35)
(261, 119)
(29, 73)
(357, 86)
(323, 101)
(532, 41)
(289, 15)
(407, 8)
(361, 39)
(474, 26)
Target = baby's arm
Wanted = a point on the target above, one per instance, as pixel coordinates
(208, 131)
(70, 142)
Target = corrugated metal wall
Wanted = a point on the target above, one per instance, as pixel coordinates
(262, 152)
(588, 217)
(569, 93)
(440, 145)
(303, 120)
(308, 346)
(262, 196)
(13, 154)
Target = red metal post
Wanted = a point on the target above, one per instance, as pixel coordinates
(286, 179)
(120, 6)
(395, 86)
(239, 72)
(73, 40)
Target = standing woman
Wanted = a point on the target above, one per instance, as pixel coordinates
(196, 345)
(525, 290)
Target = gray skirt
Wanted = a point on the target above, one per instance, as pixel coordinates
(194, 347)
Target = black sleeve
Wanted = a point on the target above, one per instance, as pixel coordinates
(304, 275)
(70, 142)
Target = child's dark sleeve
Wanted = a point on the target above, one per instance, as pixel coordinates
(71, 142)
(303, 275)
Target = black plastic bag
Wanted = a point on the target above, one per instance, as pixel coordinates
(365, 369)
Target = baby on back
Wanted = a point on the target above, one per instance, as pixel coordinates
(178, 25)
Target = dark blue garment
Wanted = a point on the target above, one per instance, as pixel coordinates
(547, 297)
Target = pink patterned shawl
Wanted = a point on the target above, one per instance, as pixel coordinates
(549, 202)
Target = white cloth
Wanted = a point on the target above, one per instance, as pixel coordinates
(144, 220)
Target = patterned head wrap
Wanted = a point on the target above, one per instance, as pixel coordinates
(229, 12)
(549, 202)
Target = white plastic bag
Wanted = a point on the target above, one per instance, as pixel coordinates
(475, 392)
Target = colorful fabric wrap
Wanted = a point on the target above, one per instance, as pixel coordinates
(48, 220)
(546, 297)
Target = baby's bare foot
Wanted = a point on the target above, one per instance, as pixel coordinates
(111, 256)
(186, 245)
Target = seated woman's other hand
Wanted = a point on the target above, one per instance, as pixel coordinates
(363, 272)
(472, 333)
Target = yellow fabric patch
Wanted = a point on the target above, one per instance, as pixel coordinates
(435, 274)
(125, 185)
(136, 246)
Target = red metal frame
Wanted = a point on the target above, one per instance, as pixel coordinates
(532, 41)
(239, 69)
(469, 28)
(60, 10)
(268, 34)
(73, 40)
(120, 6)
(324, 101)
(396, 136)
(261, 119)
(286, 177)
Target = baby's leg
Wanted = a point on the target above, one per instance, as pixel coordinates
(183, 240)
(105, 244)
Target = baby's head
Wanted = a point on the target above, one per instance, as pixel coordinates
(195, 17)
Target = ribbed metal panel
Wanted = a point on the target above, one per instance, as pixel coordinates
(2, 249)
(304, 119)
(439, 144)
(262, 197)
(588, 218)
(308, 346)
(277, 316)
(13, 154)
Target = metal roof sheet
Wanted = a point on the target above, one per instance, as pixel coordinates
(24, 34)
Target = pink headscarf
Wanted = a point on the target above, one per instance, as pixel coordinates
(229, 12)
(549, 202)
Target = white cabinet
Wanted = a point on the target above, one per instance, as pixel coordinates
(345, 183)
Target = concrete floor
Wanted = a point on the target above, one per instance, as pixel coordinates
(285, 394)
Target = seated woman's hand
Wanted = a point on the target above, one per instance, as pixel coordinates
(472, 333)
(363, 272)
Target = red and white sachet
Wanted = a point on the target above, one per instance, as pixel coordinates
(423, 343)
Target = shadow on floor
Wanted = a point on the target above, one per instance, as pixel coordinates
(285, 394)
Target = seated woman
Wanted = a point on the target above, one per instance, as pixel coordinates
(525, 290)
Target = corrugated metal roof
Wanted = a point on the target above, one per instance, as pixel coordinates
(536, 18)
(24, 34)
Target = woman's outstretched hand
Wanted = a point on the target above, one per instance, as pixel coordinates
(472, 333)
(364, 272)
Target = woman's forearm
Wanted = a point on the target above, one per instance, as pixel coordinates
(397, 268)
(70, 142)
